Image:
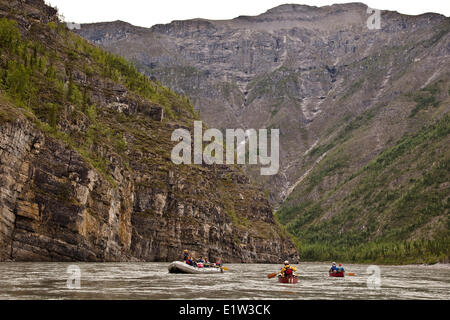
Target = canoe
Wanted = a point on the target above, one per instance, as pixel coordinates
(337, 274)
(182, 267)
(290, 279)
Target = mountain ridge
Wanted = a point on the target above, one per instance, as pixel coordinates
(341, 94)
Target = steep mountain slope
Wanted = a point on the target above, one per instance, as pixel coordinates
(343, 96)
(85, 168)
(302, 69)
(393, 209)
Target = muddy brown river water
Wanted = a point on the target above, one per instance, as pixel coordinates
(242, 281)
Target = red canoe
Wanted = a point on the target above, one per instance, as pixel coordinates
(337, 274)
(290, 279)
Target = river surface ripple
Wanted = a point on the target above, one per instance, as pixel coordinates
(242, 281)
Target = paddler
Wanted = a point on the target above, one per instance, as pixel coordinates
(333, 268)
(200, 262)
(188, 259)
(191, 261)
(287, 270)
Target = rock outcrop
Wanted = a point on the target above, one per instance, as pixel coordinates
(85, 168)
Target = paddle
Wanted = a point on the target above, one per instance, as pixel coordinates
(270, 276)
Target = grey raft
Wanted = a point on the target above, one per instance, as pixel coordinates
(182, 267)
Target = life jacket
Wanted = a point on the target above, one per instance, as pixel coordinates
(287, 271)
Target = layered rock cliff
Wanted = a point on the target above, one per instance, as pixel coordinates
(85, 168)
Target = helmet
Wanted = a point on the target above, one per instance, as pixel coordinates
(334, 263)
(340, 265)
(286, 262)
(185, 251)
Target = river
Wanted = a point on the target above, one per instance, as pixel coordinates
(242, 281)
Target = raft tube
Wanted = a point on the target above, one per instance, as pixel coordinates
(182, 267)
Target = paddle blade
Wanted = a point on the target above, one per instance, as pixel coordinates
(270, 276)
(350, 274)
(225, 268)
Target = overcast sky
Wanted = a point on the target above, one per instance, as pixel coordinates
(148, 13)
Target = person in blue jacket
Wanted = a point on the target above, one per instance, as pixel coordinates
(186, 255)
(340, 268)
(188, 259)
(333, 268)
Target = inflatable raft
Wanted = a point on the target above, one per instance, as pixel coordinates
(289, 279)
(182, 267)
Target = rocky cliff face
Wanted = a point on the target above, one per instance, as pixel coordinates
(85, 169)
(302, 69)
(343, 95)
(55, 207)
